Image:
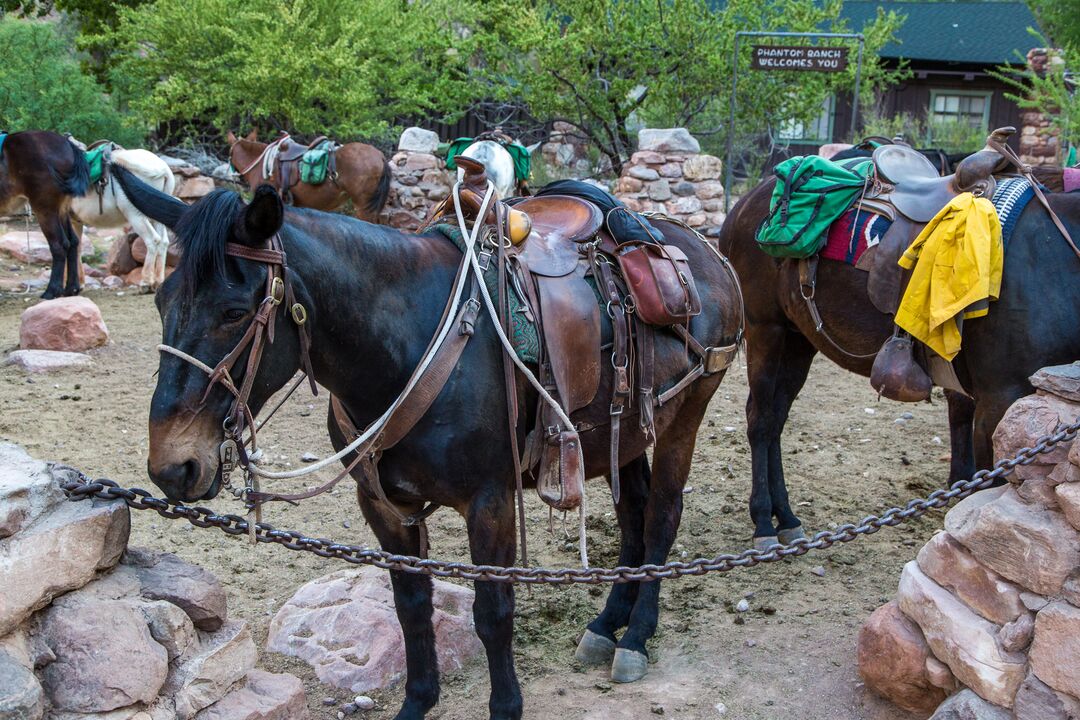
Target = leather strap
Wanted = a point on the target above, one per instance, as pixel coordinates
(620, 360)
(808, 289)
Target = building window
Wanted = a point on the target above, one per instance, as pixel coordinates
(961, 106)
(818, 130)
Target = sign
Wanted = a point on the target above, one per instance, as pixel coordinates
(799, 57)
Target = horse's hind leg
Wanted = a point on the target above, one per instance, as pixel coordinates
(53, 228)
(492, 539)
(144, 228)
(597, 646)
(798, 355)
(961, 435)
(72, 259)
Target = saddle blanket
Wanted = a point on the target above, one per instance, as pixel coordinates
(1071, 178)
(851, 235)
(1010, 198)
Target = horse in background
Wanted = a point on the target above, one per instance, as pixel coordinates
(47, 171)
(362, 175)
(106, 205)
(496, 150)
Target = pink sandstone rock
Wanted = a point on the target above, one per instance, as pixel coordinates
(1031, 546)
(647, 157)
(966, 705)
(71, 324)
(1068, 497)
(702, 167)
(830, 149)
(263, 696)
(947, 563)
(1035, 700)
(138, 252)
(1055, 652)
(961, 639)
(892, 658)
(345, 626)
(1028, 419)
(1060, 380)
(195, 590)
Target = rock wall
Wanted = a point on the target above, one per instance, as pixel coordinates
(991, 605)
(566, 149)
(91, 629)
(1039, 143)
(419, 180)
(669, 174)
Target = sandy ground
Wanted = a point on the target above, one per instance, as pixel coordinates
(790, 657)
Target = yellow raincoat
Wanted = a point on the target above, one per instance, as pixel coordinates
(957, 261)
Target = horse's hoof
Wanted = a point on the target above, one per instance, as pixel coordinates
(145, 289)
(594, 649)
(786, 537)
(628, 666)
(766, 542)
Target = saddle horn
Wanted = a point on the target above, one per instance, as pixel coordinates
(979, 166)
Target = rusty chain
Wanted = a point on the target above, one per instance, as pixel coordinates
(236, 525)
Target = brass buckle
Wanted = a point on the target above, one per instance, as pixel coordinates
(299, 314)
(277, 291)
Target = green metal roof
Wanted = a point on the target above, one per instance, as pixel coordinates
(983, 33)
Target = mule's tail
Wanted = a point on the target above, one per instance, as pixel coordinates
(378, 200)
(77, 180)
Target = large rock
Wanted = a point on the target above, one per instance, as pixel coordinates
(72, 324)
(29, 248)
(1055, 652)
(120, 260)
(105, 656)
(196, 591)
(1026, 420)
(669, 140)
(27, 489)
(194, 188)
(947, 563)
(961, 639)
(414, 139)
(263, 696)
(344, 625)
(138, 253)
(966, 705)
(1068, 497)
(1035, 700)
(169, 626)
(21, 696)
(702, 167)
(39, 361)
(221, 660)
(60, 552)
(1061, 380)
(892, 656)
(1031, 546)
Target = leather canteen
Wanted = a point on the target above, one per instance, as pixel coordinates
(660, 282)
(896, 375)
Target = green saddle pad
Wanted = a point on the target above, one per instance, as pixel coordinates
(96, 160)
(315, 163)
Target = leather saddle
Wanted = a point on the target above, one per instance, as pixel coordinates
(286, 165)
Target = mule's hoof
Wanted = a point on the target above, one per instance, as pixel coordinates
(145, 289)
(594, 649)
(628, 666)
(786, 537)
(766, 542)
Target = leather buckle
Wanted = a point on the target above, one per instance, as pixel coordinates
(615, 410)
(299, 314)
(277, 291)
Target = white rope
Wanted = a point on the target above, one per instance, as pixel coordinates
(270, 154)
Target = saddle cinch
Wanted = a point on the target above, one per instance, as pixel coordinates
(564, 265)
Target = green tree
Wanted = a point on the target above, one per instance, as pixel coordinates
(42, 86)
(1060, 19)
(600, 65)
(344, 67)
(1055, 91)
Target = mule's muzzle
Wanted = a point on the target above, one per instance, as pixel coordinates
(183, 460)
(185, 481)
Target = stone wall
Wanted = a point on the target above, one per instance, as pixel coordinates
(91, 629)
(988, 614)
(1039, 143)
(419, 180)
(567, 149)
(669, 174)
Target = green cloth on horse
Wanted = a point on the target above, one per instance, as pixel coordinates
(518, 153)
(811, 193)
(315, 163)
(96, 160)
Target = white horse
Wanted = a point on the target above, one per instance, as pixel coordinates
(113, 209)
(499, 164)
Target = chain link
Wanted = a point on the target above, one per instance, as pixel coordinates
(202, 517)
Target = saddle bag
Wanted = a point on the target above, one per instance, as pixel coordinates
(660, 282)
(896, 374)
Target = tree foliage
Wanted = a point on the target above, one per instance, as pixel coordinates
(1060, 19)
(42, 86)
(601, 65)
(344, 67)
(1054, 92)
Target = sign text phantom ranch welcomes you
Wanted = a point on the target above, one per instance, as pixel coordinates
(800, 57)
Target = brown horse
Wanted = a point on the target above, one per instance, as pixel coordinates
(363, 176)
(47, 170)
(1032, 324)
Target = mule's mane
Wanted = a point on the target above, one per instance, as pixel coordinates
(201, 235)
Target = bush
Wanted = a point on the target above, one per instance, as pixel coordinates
(951, 136)
(42, 87)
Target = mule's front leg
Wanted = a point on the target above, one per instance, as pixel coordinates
(412, 600)
(492, 542)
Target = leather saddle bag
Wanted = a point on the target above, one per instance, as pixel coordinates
(897, 375)
(560, 480)
(660, 282)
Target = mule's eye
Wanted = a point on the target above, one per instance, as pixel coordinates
(234, 314)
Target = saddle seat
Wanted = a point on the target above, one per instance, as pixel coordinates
(558, 224)
(291, 151)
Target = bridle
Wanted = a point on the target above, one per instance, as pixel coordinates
(233, 450)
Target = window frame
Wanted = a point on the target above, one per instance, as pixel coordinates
(829, 130)
(987, 95)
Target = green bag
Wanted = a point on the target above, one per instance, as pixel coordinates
(811, 193)
(315, 163)
(96, 160)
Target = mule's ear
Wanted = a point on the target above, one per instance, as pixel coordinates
(232, 139)
(261, 219)
(253, 135)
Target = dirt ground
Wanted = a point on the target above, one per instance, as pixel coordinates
(790, 657)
